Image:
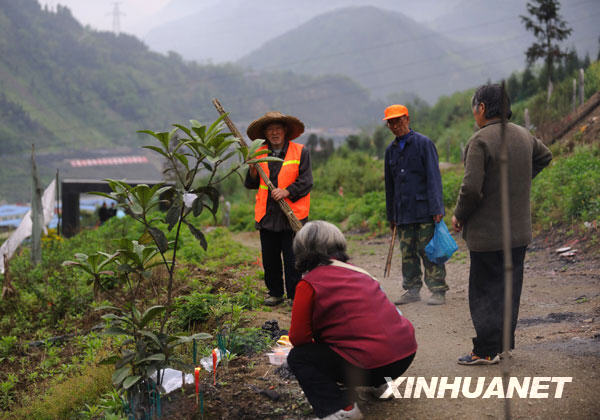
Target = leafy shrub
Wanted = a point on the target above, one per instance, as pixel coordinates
(569, 189)
(331, 207)
(369, 212)
(248, 298)
(7, 344)
(249, 341)
(356, 172)
(193, 308)
(451, 181)
(242, 216)
(7, 391)
(223, 251)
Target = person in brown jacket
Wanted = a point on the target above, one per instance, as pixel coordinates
(478, 215)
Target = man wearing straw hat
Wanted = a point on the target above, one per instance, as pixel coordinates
(414, 202)
(293, 181)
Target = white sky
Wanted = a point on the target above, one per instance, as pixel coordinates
(99, 13)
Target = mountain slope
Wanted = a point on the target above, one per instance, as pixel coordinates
(229, 29)
(385, 51)
(67, 87)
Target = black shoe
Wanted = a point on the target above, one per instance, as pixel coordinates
(273, 300)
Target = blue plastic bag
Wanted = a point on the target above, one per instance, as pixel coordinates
(442, 245)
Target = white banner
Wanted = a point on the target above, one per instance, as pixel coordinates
(9, 246)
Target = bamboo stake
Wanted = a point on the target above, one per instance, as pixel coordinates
(506, 247)
(37, 213)
(285, 207)
(388, 262)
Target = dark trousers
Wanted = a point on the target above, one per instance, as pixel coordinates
(319, 369)
(273, 245)
(486, 298)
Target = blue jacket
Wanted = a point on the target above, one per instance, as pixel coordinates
(413, 184)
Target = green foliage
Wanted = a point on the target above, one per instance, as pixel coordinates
(6, 391)
(242, 216)
(148, 347)
(569, 189)
(549, 28)
(592, 79)
(51, 293)
(545, 114)
(153, 349)
(249, 341)
(7, 344)
(193, 309)
(223, 252)
(369, 213)
(63, 399)
(355, 172)
(447, 112)
(331, 207)
(93, 265)
(320, 149)
(451, 181)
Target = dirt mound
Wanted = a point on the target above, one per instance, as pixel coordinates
(582, 126)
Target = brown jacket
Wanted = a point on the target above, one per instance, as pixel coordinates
(478, 207)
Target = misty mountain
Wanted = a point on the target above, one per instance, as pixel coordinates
(498, 32)
(384, 51)
(226, 30)
(66, 87)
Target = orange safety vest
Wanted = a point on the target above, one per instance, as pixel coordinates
(287, 175)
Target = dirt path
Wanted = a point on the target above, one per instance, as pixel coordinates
(558, 336)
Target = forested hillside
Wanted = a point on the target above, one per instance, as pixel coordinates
(65, 87)
(383, 50)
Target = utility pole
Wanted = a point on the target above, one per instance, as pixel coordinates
(116, 15)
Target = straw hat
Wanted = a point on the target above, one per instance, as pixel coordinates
(256, 129)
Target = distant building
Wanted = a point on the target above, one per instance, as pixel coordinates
(88, 171)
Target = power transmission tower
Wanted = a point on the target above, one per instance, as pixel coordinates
(116, 15)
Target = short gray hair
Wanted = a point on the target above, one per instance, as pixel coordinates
(317, 243)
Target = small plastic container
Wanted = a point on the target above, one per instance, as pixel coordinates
(279, 355)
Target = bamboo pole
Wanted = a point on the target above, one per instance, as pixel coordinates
(58, 233)
(37, 213)
(506, 247)
(388, 262)
(581, 87)
(285, 207)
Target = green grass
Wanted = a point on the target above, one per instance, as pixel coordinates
(568, 190)
(63, 400)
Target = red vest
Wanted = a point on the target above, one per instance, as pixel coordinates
(287, 175)
(356, 319)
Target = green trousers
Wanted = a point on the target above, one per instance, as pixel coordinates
(413, 239)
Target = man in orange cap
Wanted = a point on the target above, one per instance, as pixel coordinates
(414, 203)
(293, 181)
